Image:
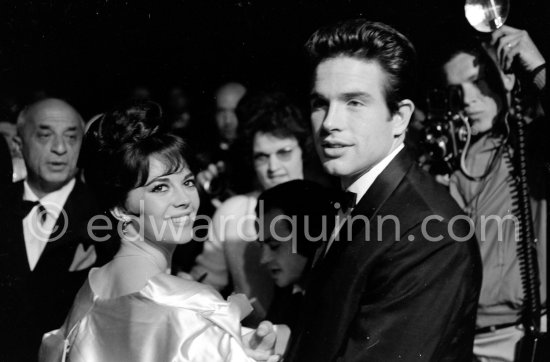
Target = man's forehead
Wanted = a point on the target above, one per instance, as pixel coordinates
(349, 74)
(229, 95)
(461, 68)
(54, 114)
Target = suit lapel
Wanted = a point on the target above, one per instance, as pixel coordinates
(369, 205)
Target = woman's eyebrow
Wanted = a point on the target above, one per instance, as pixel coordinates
(161, 178)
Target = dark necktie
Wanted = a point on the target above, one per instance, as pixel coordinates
(42, 213)
(27, 206)
(344, 200)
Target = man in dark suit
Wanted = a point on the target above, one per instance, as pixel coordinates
(45, 250)
(399, 279)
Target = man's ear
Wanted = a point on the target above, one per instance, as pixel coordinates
(402, 117)
(18, 144)
(120, 213)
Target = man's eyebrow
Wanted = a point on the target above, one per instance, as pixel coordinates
(314, 96)
(352, 95)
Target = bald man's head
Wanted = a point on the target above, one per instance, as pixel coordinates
(227, 99)
(50, 133)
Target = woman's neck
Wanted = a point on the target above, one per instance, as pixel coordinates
(159, 255)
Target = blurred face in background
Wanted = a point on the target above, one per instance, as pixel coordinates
(286, 268)
(276, 160)
(227, 99)
(9, 131)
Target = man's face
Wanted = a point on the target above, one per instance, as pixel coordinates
(286, 268)
(227, 99)
(276, 160)
(480, 103)
(353, 127)
(51, 139)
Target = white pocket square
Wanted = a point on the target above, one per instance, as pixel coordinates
(83, 259)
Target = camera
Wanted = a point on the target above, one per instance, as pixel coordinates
(446, 131)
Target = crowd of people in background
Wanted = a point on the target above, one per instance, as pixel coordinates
(260, 155)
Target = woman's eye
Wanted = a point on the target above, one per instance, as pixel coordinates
(159, 188)
(190, 183)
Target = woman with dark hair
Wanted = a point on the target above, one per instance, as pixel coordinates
(131, 309)
(295, 219)
(274, 139)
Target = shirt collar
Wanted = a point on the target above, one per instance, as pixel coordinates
(52, 202)
(297, 289)
(363, 183)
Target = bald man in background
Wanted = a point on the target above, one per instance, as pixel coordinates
(45, 249)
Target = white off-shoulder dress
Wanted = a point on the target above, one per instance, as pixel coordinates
(170, 319)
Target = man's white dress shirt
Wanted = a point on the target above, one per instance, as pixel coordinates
(35, 232)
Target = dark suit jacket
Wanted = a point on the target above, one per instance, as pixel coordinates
(35, 302)
(394, 300)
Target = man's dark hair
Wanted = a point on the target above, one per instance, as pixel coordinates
(371, 42)
(489, 71)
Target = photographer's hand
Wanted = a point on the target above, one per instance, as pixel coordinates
(511, 43)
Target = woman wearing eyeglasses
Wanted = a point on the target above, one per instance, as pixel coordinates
(275, 139)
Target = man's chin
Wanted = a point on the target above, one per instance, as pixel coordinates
(334, 167)
(58, 178)
(481, 127)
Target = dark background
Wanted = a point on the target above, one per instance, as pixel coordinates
(92, 51)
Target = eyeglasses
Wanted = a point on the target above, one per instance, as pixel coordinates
(283, 154)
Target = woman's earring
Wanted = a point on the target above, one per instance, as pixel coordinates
(125, 223)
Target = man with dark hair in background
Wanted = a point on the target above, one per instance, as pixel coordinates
(401, 289)
(487, 181)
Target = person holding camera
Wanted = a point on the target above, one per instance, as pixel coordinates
(487, 77)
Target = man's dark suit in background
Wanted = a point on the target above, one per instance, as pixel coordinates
(35, 302)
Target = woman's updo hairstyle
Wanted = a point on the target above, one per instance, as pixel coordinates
(117, 148)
